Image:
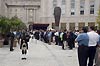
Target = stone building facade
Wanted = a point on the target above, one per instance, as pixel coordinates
(75, 13)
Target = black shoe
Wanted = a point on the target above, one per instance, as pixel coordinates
(11, 49)
(70, 49)
(56, 44)
(63, 49)
(23, 58)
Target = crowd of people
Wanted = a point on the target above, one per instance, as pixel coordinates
(22, 36)
(88, 42)
(89, 45)
(57, 37)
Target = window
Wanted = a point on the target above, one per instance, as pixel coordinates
(82, 12)
(82, 4)
(72, 3)
(63, 2)
(72, 7)
(72, 26)
(54, 3)
(72, 13)
(92, 2)
(63, 26)
(91, 10)
(31, 13)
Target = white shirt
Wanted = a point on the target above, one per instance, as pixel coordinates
(56, 34)
(93, 38)
(14, 32)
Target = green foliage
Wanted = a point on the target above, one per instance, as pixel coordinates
(98, 19)
(4, 24)
(14, 23)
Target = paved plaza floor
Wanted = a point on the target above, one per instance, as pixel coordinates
(39, 54)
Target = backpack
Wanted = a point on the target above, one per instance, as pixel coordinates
(24, 46)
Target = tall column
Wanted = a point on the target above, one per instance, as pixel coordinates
(43, 7)
(59, 3)
(86, 23)
(67, 26)
(34, 12)
(26, 15)
(50, 8)
(7, 12)
(96, 7)
(27, 19)
(0, 7)
(59, 25)
(50, 25)
(77, 7)
(87, 7)
(68, 8)
(76, 26)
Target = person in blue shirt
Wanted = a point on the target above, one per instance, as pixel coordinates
(83, 41)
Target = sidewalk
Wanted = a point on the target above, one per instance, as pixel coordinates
(39, 54)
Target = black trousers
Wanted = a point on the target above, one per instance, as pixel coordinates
(56, 40)
(24, 51)
(70, 44)
(11, 44)
(84, 53)
(92, 51)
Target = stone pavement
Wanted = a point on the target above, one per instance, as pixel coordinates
(39, 54)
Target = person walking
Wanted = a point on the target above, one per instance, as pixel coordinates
(11, 40)
(64, 40)
(61, 39)
(93, 39)
(24, 48)
(49, 37)
(56, 37)
(87, 47)
(83, 40)
(70, 39)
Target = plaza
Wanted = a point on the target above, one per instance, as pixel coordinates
(39, 54)
(75, 13)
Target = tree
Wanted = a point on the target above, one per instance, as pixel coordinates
(4, 24)
(16, 23)
(98, 19)
(7, 24)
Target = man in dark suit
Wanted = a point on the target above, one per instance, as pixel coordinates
(11, 40)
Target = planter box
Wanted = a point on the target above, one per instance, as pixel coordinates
(1, 43)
